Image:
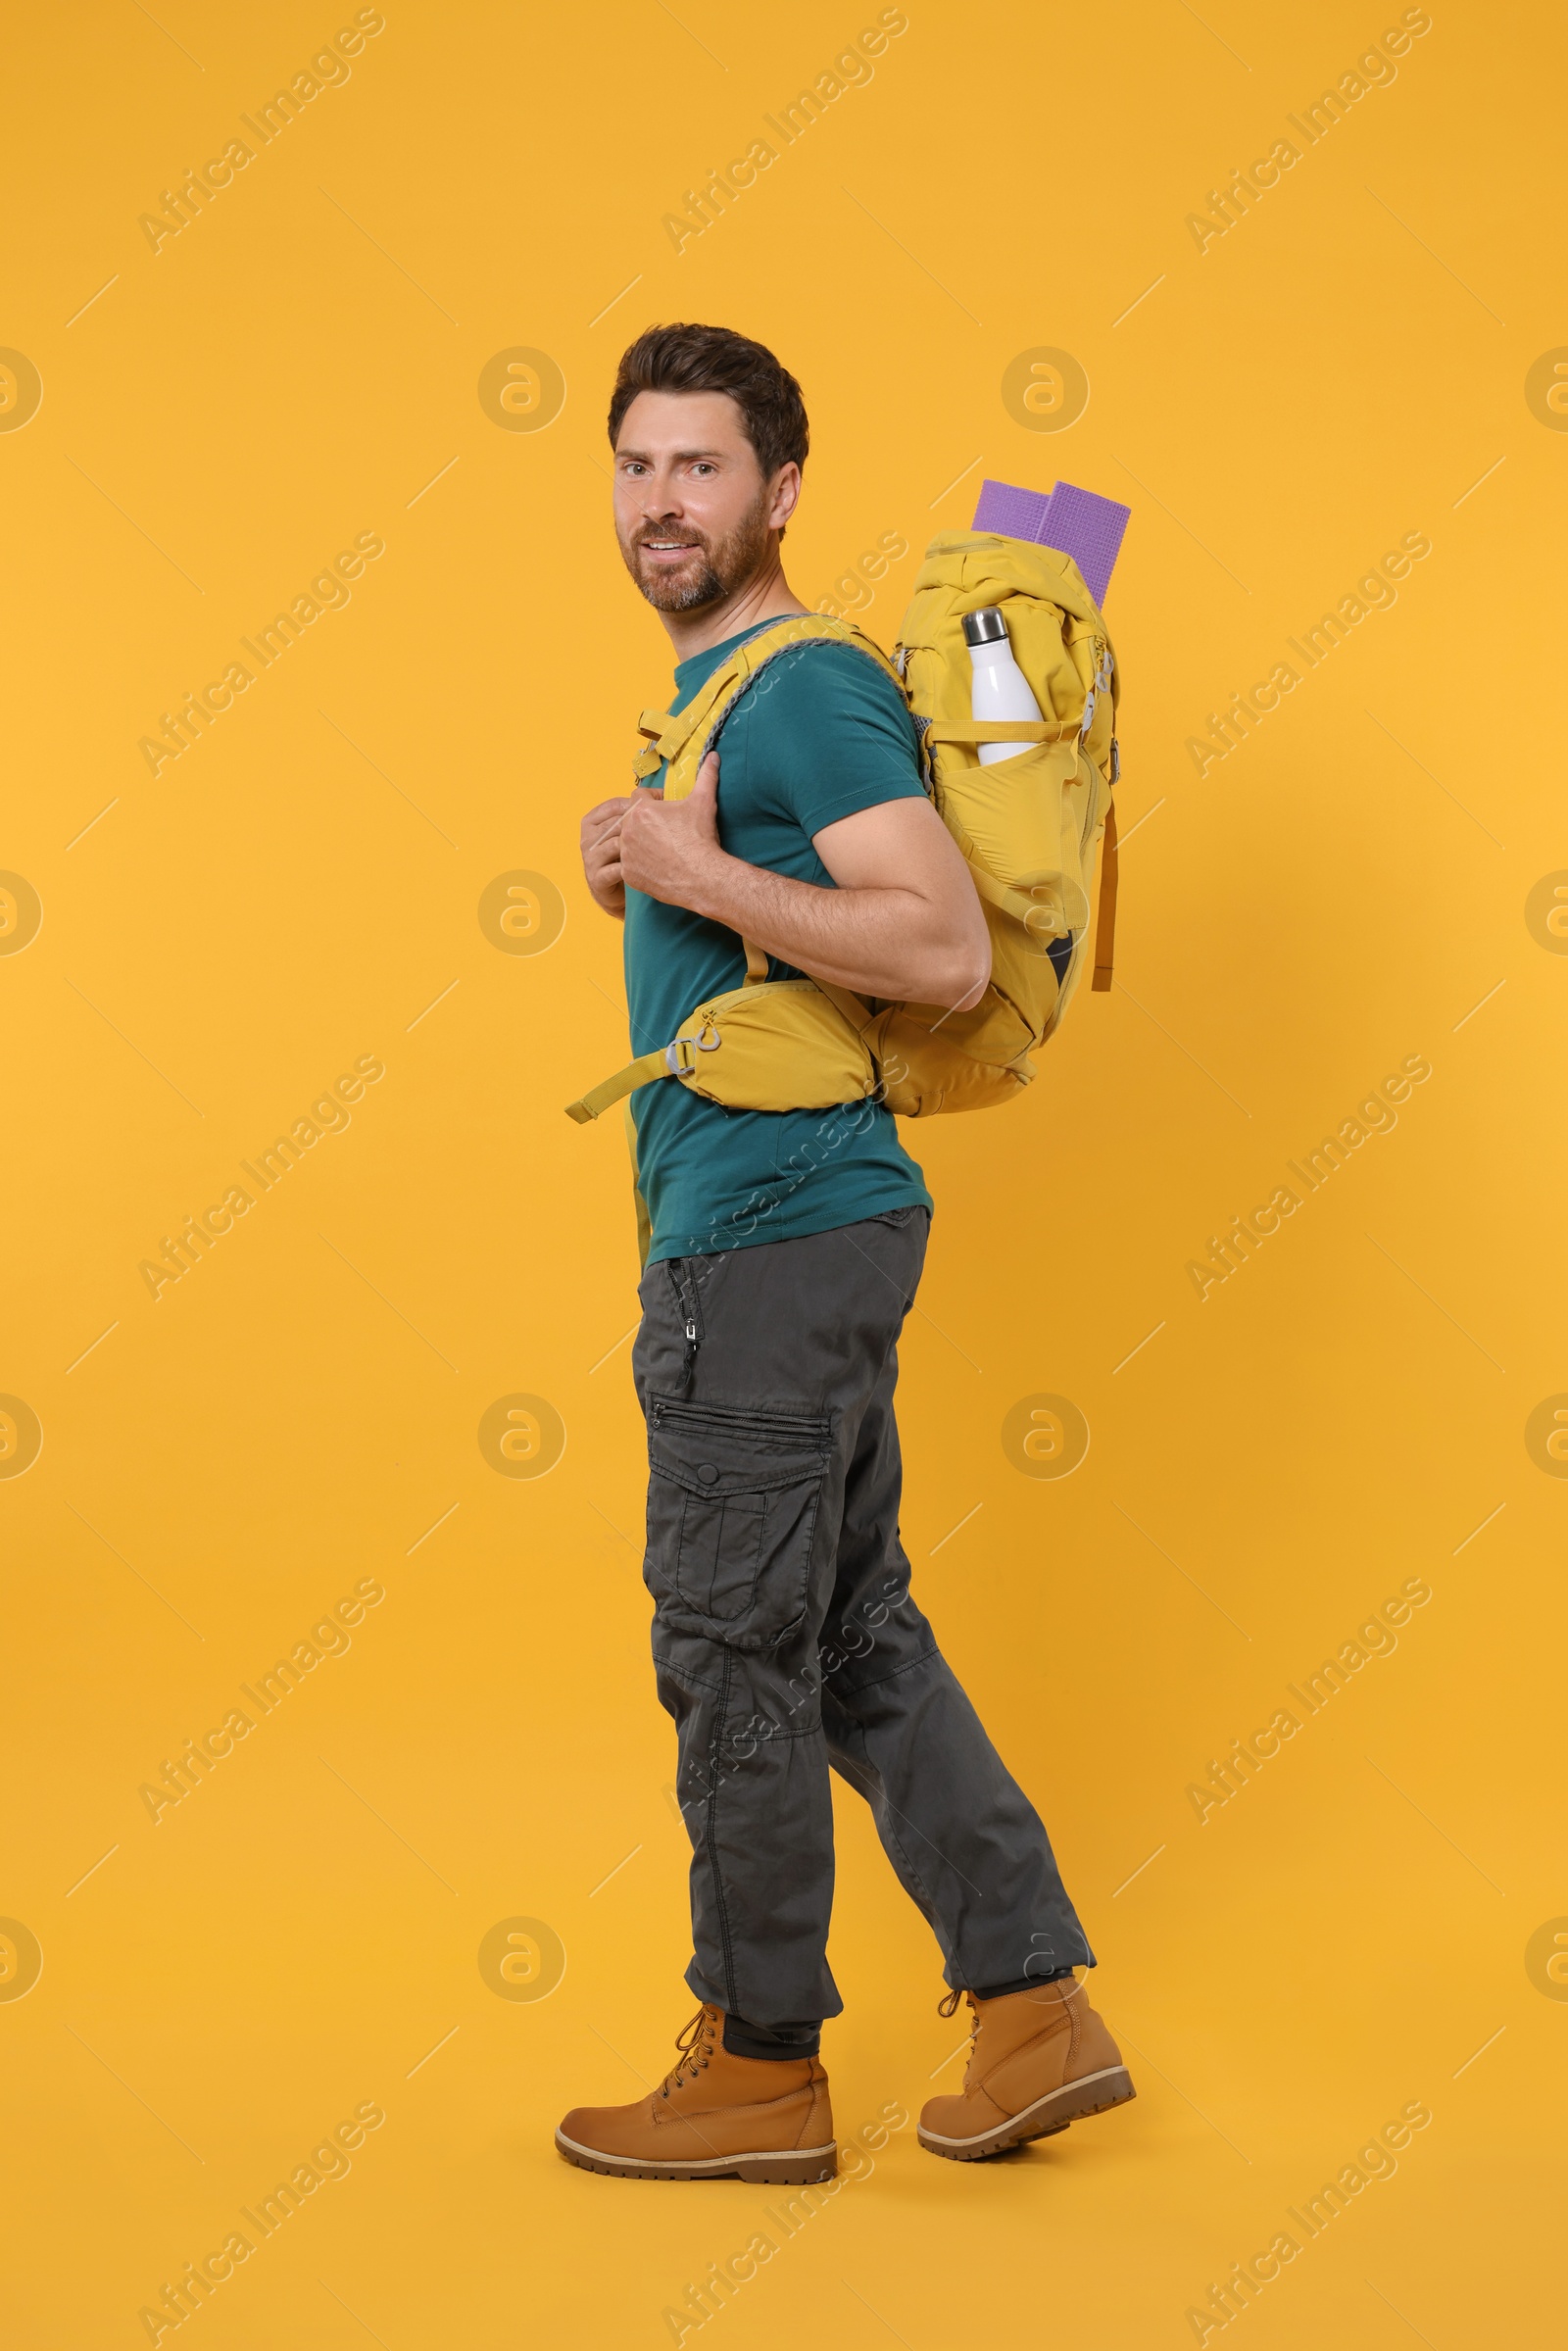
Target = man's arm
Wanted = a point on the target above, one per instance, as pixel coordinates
(903, 920)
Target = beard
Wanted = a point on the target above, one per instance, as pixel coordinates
(716, 569)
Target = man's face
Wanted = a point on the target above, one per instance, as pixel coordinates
(693, 513)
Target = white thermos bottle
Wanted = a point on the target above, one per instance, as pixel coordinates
(999, 689)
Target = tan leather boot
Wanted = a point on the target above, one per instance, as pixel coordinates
(1038, 2061)
(714, 2117)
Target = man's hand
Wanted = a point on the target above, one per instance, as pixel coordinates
(600, 841)
(669, 848)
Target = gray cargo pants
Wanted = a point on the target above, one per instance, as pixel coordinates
(785, 1637)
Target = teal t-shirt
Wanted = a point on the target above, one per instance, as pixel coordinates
(819, 734)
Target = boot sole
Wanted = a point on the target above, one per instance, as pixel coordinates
(784, 2168)
(1093, 2093)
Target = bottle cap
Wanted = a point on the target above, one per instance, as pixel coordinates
(985, 627)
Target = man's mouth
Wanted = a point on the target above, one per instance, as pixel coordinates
(668, 546)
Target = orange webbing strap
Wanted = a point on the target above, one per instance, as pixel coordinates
(671, 734)
(756, 963)
(1001, 730)
(669, 1061)
(1105, 927)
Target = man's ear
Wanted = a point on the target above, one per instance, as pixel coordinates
(786, 496)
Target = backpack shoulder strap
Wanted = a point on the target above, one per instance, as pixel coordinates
(679, 741)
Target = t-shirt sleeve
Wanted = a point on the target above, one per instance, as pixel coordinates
(837, 737)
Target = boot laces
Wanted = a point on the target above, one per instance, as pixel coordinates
(949, 2007)
(695, 2042)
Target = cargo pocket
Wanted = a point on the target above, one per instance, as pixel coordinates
(732, 1504)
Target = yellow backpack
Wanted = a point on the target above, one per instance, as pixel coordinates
(1030, 827)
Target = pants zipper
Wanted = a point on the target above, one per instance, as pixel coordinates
(684, 1283)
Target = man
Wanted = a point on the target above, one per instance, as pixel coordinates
(785, 1253)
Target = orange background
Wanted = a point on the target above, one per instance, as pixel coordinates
(1368, 877)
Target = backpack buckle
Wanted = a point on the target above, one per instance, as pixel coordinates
(679, 1056)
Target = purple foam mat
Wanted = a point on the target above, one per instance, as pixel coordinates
(1083, 524)
(1015, 513)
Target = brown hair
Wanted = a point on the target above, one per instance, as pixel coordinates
(715, 359)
